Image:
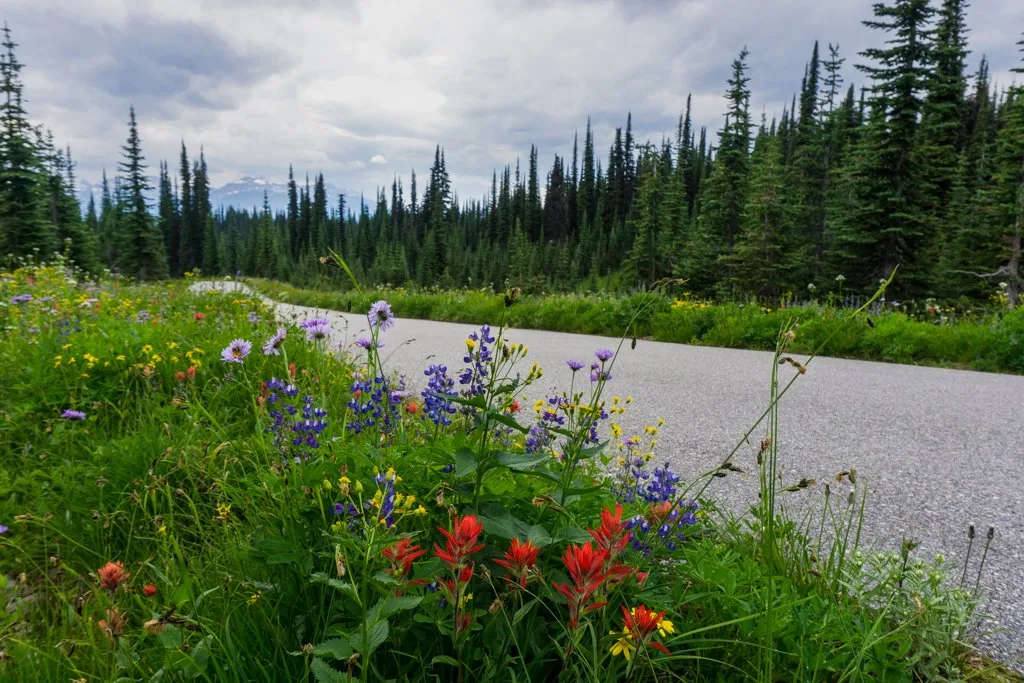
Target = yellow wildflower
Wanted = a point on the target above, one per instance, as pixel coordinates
(147, 349)
(616, 431)
(223, 510)
(624, 646)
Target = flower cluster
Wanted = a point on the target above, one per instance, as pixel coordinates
(461, 543)
(593, 566)
(520, 560)
(639, 625)
(376, 404)
(296, 425)
(317, 329)
(437, 396)
(478, 359)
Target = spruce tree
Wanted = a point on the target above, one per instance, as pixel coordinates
(144, 257)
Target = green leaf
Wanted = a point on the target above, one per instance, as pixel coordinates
(337, 648)
(593, 450)
(572, 534)
(507, 420)
(445, 659)
(343, 586)
(465, 462)
(523, 611)
(323, 673)
(376, 635)
(521, 462)
(405, 602)
(499, 522)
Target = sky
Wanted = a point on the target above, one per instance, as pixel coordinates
(364, 90)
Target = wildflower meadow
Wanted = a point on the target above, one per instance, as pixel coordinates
(193, 490)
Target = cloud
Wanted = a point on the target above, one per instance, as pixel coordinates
(262, 84)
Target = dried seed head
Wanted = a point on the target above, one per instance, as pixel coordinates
(970, 531)
(495, 606)
(991, 533)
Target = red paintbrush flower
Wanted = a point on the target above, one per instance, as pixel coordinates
(638, 629)
(149, 590)
(585, 565)
(199, 317)
(111, 575)
(460, 542)
(520, 558)
(611, 535)
(401, 555)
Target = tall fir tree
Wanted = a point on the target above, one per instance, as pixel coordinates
(144, 256)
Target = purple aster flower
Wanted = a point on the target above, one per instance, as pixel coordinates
(21, 298)
(3, 528)
(236, 351)
(314, 322)
(380, 315)
(273, 345)
(318, 332)
(254, 318)
(604, 355)
(368, 344)
(142, 316)
(574, 365)
(73, 415)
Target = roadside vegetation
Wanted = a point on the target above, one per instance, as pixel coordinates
(192, 491)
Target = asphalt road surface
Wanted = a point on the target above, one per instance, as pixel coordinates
(937, 449)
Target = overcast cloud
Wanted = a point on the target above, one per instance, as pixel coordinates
(364, 90)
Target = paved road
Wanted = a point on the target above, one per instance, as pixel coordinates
(937, 448)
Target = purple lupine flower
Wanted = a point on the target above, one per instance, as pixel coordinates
(236, 351)
(604, 355)
(73, 415)
(273, 345)
(21, 298)
(437, 396)
(380, 315)
(574, 365)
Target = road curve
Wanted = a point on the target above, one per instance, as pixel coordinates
(937, 448)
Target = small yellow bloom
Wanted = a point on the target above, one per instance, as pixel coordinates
(120, 357)
(421, 511)
(162, 530)
(624, 646)
(172, 345)
(254, 598)
(665, 627)
(470, 344)
(147, 349)
(223, 510)
(66, 347)
(616, 431)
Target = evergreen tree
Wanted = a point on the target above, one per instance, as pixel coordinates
(143, 256)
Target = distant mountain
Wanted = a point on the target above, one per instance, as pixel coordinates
(244, 193)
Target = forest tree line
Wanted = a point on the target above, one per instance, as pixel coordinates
(921, 168)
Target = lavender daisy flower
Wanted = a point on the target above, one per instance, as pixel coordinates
(318, 332)
(3, 529)
(604, 355)
(314, 322)
(142, 316)
(380, 315)
(273, 345)
(574, 365)
(236, 351)
(73, 415)
(368, 344)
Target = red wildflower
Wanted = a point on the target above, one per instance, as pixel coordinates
(180, 376)
(611, 535)
(462, 622)
(114, 623)
(520, 558)
(514, 407)
(401, 555)
(191, 372)
(639, 625)
(199, 317)
(291, 370)
(585, 565)
(461, 542)
(412, 407)
(111, 575)
(149, 590)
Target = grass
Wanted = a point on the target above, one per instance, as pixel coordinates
(991, 341)
(183, 531)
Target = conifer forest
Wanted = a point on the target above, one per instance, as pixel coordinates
(916, 165)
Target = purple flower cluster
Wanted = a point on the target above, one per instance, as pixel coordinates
(538, 438)
(477, 357)
(668, 520)
(73, 415)
(437, 396)
(21, 298)
(142, 316)
(376, 404)
(254, 317)
(296, 426)
(635, 482)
